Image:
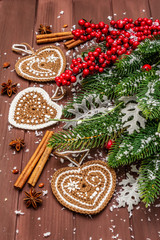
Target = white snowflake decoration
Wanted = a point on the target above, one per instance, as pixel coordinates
(129, 194)
(51, 58)
(72, 185)
(132, 111)
(81, 111)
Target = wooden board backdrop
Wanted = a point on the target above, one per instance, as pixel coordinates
(18, 23)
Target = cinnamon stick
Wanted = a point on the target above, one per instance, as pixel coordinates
(32, 162)
(52, 35)
(39, 168)
(69, 42)
(55, 39)
(74, 44)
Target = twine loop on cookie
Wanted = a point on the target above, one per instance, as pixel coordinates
(70, 155)
(58, 94)
(23, 48)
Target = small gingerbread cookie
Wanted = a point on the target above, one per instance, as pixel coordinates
(32, 109)
(86, 189)
(43, 65)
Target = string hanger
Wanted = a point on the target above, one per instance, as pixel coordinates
(23, 48)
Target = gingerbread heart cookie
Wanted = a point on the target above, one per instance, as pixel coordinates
(43, 65)
(32, 109)
(86, 189)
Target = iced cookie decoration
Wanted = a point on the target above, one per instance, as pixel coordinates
(86, 189)
(43, 65)
(32, 109)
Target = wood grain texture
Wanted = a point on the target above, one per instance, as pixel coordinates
(19, 22)
(16, 23)
(130, 9)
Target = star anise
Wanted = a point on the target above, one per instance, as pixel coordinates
(43, 29)
(9, 88)
(33, 198)
(18, 143)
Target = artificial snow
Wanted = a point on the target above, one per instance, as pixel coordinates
(18, 212)
(47, 234)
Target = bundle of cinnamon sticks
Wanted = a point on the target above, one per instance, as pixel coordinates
(36, 163)
(57, 37)
(53, 37)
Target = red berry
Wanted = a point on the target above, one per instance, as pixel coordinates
(86, 72)
(96, 26)
(120, 52)
(92, 58)
(110, 41)
(73, 79)
(109, 144)
(67, 77)
(105, 30)
(98, 50)
(112, 22)
(64, 82)
(101, 69)
(77, 34)
(95, 54)
(89, 62)
(72, 66)
(84, 65)
(114, 57)
(109, 53)
(91, 68)
(58, 84)
(81, 22)
(76, 70)
(92, 25)
(126, 45)
(82, 37)
(101, 60)
(68, 83)
(113, 50)
(135, 44)
(80, 65)
(89, 30)
(63, 75)
(87, 24)
(130, 20)
(101, 24)
(86, 59)
(93, 34)
(127, 27)
(146, 67)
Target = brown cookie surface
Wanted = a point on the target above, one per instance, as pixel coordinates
(44, 65)
(86, 189)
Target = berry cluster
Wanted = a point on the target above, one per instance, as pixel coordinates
(90, 30)
(121, 38)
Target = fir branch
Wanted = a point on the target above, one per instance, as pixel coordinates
(149, 180)
(130, 148)
(129, 63)
(96, 85)
(130, 85)
(150, 46)
(148, 98)
(89, 134)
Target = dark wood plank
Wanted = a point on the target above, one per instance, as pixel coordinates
(130, 9)
(154, 8)
(96, 11)
(16, 25)
(51, 217)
